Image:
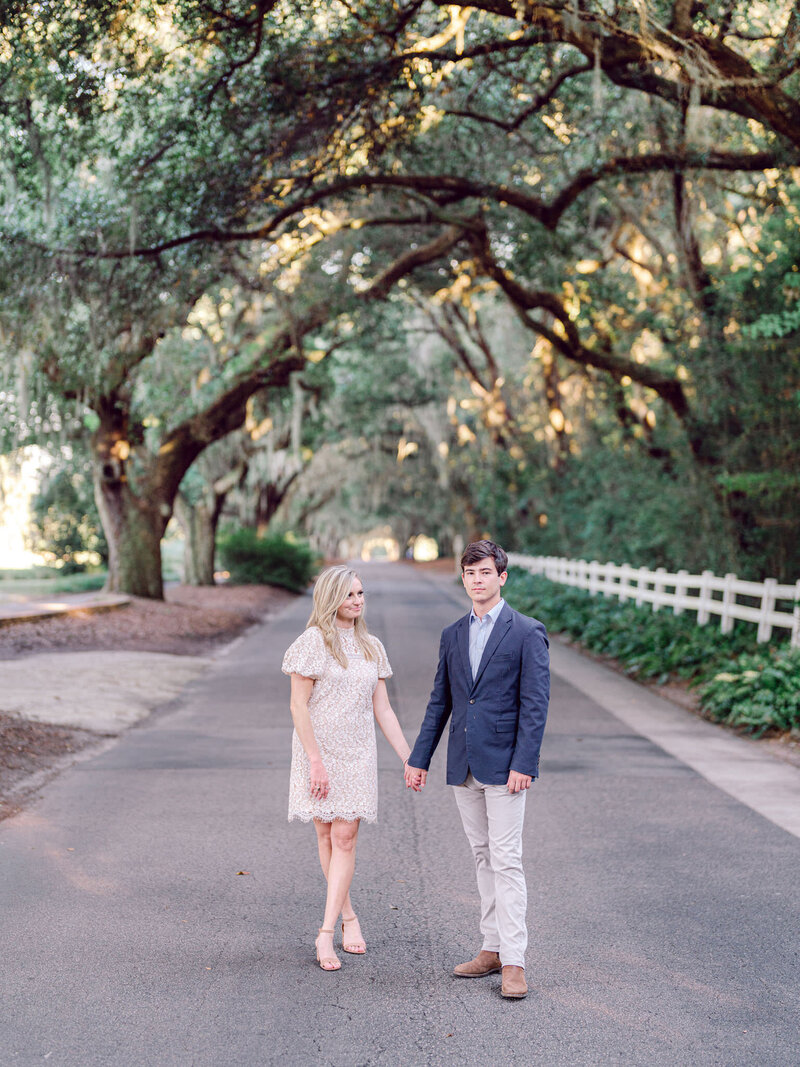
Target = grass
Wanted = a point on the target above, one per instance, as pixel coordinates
(53, 583)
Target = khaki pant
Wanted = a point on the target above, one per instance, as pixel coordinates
(492, 819)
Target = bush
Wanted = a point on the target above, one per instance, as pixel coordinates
(756, 694)
(66, 525)
(270, 560)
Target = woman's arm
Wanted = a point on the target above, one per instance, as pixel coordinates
(387, 720)
(298, 703)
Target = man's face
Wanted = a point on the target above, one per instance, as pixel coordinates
(482, 582)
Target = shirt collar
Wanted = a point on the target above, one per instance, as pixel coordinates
(491, 614)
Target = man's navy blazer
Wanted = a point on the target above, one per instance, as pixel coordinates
(497, 720)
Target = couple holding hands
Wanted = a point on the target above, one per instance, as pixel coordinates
(492, 685)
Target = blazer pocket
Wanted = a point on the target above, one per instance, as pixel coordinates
(504, 656)
(508, 722)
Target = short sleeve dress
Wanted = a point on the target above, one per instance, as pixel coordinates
(344, 728)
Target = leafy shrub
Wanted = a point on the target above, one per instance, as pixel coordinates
(66, 525)
(757, 693)
(270, 560)
(760, 691)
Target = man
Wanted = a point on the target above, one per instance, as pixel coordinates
(493, 683)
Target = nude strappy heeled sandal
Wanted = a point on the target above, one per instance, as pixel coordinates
(327, 963)
(356, 946)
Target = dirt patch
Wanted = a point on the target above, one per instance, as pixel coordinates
(27, 747)
(191, 622)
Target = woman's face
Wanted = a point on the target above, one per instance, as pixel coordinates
(353, 606)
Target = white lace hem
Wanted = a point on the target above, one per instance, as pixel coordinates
(331, 816)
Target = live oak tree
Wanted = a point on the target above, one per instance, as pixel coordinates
(589, 162)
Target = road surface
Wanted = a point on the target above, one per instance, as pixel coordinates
(663, 910)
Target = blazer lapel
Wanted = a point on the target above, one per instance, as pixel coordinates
(463, 647)
(499, 631)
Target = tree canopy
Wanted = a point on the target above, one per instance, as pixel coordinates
(566, 233)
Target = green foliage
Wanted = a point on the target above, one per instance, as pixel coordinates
(66, 524)
(274, 559)
(133, 126)
(780, 323)
(755, 689)
(770, 485)
(608, 501)
(650, 645)
(758, 692)
(80, 583)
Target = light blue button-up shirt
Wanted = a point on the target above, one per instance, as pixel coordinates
(479, 630)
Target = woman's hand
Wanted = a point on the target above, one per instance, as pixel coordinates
(318, 780)
(415, 778)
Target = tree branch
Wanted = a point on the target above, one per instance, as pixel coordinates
(409, 261)
(568, 341)
(228, 411)
(455, 187)
(539, 102)
(725, 79)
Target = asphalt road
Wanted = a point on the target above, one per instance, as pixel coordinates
(663, 912)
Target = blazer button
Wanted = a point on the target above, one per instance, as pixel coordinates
(472, 701)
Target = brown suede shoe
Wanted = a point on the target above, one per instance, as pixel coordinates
(514, 985)
(484, 963)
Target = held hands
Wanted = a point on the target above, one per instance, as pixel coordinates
(517, 782)
(415, 778)
(318, 780)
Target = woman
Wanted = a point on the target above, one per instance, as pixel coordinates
(338, 673)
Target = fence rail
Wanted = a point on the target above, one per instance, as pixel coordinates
(706, 593)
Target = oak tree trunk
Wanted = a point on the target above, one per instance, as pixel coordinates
(133, 523)
(133, 530)
(199, 524)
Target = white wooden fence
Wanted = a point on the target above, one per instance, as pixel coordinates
(705, 593)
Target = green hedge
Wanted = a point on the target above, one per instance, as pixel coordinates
(274, 559)
(759, 692)
(753, 687)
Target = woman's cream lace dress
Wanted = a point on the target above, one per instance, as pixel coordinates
(344, 728)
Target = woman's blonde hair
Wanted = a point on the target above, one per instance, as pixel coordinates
(330, 592)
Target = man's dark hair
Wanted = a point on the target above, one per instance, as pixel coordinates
(484, 550)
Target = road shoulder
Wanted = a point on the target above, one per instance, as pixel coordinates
(737, 765)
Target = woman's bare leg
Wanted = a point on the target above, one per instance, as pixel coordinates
(325, 847)
(340, 870)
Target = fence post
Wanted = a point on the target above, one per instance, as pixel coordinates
(728, 601)
(704, 593)
(641, 584)
(622, 595)
(609, 585)
(583, 568)
(795, 640)
(767, 607)
(594, 577)
(681, 589)
(658, 587)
